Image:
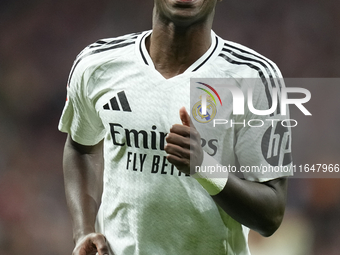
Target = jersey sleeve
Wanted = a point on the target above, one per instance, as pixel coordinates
(263, 143)
(79, 117)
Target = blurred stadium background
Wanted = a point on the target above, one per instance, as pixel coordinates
(39, 39)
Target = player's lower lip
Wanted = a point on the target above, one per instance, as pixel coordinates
(184, 2)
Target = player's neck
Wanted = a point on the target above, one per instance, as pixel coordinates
(174, 49)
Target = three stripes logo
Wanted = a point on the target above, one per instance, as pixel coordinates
(118, 103)
(205, 110)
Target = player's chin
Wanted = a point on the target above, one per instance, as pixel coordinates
(185, 19)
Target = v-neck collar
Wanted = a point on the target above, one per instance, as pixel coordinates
(210, 54)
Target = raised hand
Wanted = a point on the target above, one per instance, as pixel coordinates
(184, 145)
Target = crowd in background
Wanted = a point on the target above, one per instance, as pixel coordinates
(39, 39)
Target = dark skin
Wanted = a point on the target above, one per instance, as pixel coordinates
(181, 35)
(259, 206)
(83, 177)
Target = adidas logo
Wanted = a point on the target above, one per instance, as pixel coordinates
(117, 104)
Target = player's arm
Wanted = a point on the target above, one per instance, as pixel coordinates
(259, 206)
(83, 177)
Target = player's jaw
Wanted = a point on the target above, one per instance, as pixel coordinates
(184, 12)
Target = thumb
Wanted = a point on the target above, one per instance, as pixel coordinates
(185, 118)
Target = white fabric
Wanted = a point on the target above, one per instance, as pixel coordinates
(212, 185)
(148, 206)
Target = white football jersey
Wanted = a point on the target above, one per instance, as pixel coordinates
(149, 207)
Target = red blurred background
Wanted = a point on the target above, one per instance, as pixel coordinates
(39, 41)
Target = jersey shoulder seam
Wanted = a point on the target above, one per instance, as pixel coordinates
(103, 45)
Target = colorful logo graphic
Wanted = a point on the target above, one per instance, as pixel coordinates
(205, 110)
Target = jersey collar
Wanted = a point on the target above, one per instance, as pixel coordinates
(210, 54)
